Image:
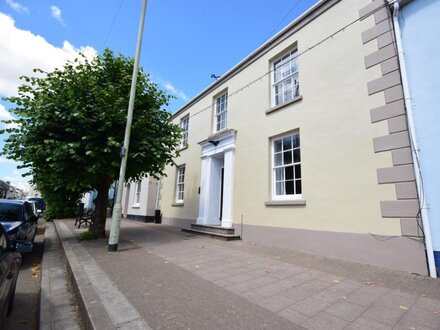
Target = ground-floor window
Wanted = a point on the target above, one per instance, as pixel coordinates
(137, 197)
(180, 183)
(286, 167)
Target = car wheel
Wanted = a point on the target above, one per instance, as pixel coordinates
(11, 301)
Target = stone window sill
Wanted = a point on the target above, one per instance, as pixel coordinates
(177, 204)
(183, 148)
(136, 206)
(295, 202)
(280, 106)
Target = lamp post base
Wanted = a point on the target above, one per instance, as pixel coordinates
(112, 247)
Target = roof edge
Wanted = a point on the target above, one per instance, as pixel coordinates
(301, 21)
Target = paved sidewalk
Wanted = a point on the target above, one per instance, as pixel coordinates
(57, 304)
(177, 280)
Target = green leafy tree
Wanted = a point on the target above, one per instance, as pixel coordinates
(70, 126)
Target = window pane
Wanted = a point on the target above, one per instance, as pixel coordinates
(279, 174)
(289, 187)
(288, 95)
(287, 157)
(297, 171)
(298, 186)
(280, 188)
(294, 64)
(277, 145)
(295, 141)
(277, 75)
(287, 143)
(285, 70)
(278, 159)
(289, 172)
(296, 156)
(288, 90)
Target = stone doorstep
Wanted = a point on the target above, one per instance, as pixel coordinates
(213, 229)
(224, 237)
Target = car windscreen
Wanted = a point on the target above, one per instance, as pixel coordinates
(9, 212)
(40, 202)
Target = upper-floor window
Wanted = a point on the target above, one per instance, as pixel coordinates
(180, 184)
(221, 112)
(184, 124)
(286, 167)
(285, 85)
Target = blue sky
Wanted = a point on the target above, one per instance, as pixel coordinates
(184, 41)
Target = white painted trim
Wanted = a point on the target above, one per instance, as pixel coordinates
(209, 205)
(228, 188)
(275, 197)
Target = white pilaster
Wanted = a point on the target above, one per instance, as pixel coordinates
(228, 188)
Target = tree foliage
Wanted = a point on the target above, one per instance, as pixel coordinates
(70, 126)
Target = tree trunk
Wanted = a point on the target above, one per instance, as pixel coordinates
(98, 225)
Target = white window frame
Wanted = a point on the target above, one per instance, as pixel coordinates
(221, 112)
(293, 164)
(137, 194)
(180, 183)
(284, 69)
(184, 124)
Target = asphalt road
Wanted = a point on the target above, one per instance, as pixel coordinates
(25, 314)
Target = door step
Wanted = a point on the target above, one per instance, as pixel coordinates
(218, 232)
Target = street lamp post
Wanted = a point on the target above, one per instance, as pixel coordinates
(117, 209)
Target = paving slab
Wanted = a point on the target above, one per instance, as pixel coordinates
(178, 280)
(88, 276)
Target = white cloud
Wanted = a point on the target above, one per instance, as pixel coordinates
(18, 181)
(176, 92)
(14, 175)
(21, 51)
(17, 6)
(56, 13)
(4, 160)
(4, 114)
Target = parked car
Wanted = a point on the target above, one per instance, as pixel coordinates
(10, 261)
(19, 221)
(35, 208)
(40, 201)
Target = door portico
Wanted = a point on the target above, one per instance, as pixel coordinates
(215, 207)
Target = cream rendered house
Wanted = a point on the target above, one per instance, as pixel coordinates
(140, 199)
(304, 145)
